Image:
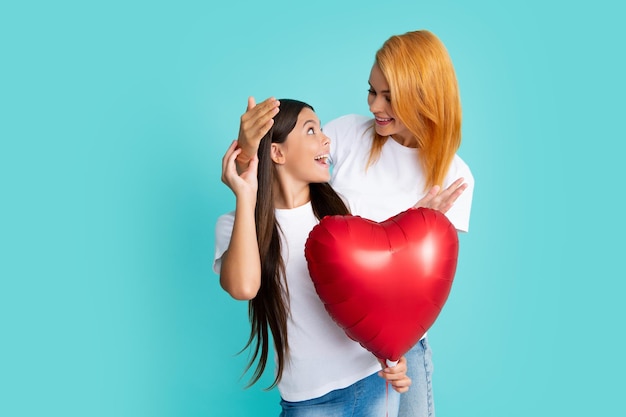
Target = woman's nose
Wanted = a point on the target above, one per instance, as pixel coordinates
(375, 104)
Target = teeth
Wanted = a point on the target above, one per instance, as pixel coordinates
(327, 159)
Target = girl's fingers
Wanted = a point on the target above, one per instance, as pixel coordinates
(395, 373)
(254, 163)
(228, 161)
(402, 386)
(228, 153)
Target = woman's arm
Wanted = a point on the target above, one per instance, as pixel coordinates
(444, 200)
(254, 124)
(240, 273)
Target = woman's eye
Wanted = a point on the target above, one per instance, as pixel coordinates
(311, 131)
(372, 92)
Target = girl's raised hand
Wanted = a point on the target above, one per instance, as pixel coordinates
(445, 200)
(254, 124)
(241, 183)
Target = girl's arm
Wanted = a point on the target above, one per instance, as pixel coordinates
(240, 273)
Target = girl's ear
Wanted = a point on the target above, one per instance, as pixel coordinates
(277, 154)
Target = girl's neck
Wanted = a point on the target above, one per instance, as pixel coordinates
(289, 196)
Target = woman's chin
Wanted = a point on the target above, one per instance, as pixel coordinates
(382, 130)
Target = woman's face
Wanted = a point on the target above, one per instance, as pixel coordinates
(379, 100)
(306, 150)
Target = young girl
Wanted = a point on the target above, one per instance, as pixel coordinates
(259, 255)
(386, 163)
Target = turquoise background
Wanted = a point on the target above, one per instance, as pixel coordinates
(114, 117)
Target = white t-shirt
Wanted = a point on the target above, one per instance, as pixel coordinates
(392, 184)
(322, 357)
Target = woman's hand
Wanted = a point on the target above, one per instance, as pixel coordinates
(445, 200)
(254, 124)
(396, 375)
(243, 184)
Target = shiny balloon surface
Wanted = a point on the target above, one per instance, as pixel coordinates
(384, 283)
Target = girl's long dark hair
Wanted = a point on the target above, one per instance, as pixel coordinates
(270, 308)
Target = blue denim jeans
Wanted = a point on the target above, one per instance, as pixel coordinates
(368, 397)
(418, 401)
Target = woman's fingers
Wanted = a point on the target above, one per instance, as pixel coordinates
(251, 103)
(453, 189)
(254, 124)
(427, 200)
(258, 120)
(448, 197)
(444, 200)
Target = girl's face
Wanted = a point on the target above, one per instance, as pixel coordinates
(305, 152)
(379, 100)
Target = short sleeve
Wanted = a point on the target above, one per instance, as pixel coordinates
(459, 213)
(223, 232)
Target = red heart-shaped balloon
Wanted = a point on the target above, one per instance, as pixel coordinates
(384, 283)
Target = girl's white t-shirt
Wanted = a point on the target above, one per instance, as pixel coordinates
(322, 358)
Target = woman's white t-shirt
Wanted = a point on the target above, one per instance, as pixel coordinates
(395, 182)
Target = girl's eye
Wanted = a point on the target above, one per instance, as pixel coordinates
(311, 131)
(388, 99)
(372, 92)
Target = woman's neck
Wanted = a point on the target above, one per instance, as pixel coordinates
(406, 141)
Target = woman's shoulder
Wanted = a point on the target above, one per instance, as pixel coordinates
(457, 160)
(459, 168)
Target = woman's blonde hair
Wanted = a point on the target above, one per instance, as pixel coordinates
(424, 97)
